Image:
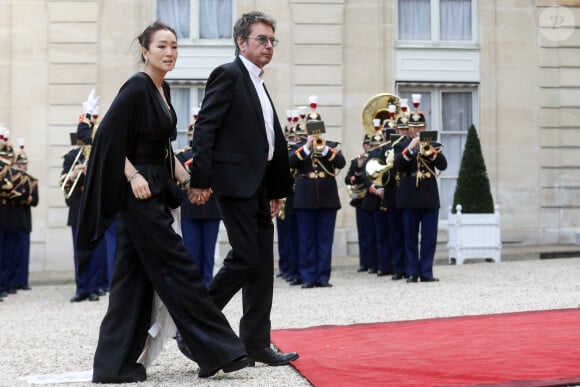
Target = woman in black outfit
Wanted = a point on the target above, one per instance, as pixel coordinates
(132, 172)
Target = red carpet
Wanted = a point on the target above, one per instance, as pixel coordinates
(515, 349)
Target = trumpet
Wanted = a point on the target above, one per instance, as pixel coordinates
(319, 144)
(426, 149)
(68, 185)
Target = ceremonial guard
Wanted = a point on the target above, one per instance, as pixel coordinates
(283, 241)
(199, 222)
(390, 200)
(26, 188)
(6, 194)
(286, 226)
(316, 200)
(72, 181)
(419, 164)
(372, 203)
(365, 225)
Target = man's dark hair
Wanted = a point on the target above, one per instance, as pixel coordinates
(243, 26)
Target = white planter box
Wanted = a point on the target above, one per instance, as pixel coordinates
(474, 236)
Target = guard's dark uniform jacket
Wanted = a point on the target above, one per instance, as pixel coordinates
(315, 178)
(74, 201)
(372, 202)
(418, 179)
(359, 191)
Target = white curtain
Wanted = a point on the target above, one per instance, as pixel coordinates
(181, 103)
(455, 19)
(215, 19)
(175, 13)
(457, 116)
(414, 20)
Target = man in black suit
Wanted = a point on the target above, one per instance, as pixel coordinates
(240, 154)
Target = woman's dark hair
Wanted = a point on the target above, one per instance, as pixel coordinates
(147, 35)
(243, 26)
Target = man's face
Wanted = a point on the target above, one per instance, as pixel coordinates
(251, 49)
(403, 131)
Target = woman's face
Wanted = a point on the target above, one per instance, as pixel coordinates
(162, 52)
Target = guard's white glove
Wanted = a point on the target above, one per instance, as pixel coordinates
(87, 108)
(91, 103)
(96, 112)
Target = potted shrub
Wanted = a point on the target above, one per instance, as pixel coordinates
(474, 221)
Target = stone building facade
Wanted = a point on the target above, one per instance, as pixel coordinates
(515, 69)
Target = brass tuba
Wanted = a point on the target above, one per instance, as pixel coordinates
(378, 107)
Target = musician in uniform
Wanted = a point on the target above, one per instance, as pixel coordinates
(390, 201)
(6, 193)
(199, 222)
(418, 165)
(372, 202)
(27, 197)
(282, 225)
(316, 203)
(72, 181)
(365, 225)
(297, 138)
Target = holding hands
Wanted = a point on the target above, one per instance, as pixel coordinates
(198, 195)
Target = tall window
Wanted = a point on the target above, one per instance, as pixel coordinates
(436, 20)
(198, 19)
(183, 98)
(451, 110)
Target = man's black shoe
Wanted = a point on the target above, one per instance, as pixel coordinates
(270, 357)
(429, 279)
(25, 287)
(182, 345)
(308, 285)
(234, 365)
(397, 277)
(413, 279)
(79, 297)
(93, 297)
(324, 285)
(296, 282)
(361, 269)
(373, 271)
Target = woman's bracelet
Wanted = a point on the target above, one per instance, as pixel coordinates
(133, 175)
